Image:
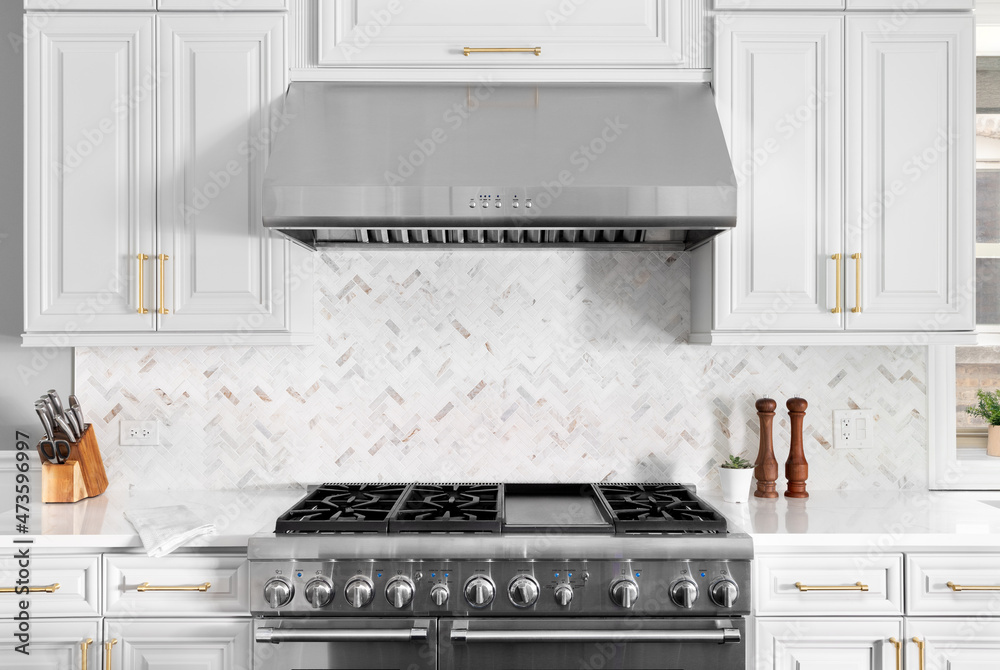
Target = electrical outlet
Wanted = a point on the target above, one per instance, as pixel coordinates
(853, 429)
(139, 433)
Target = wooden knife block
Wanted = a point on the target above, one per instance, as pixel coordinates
(81, 476)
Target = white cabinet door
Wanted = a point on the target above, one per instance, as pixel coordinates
(411, 33)
(179, 644)
(910, 161)
(778, 90)
(827, 644)
(53, 644)
(954, 644)
(223, 75)
(89, 173)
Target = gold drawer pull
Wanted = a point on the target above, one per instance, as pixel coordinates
(83, 651)
(840, 264)
(107, 653)
(920, 648)
(51, 588)
(142, 286)
(857, 283)
(958, 587)
(502, 50)
(163, 258)
(899, 651)
(857, 586)
(144, 587)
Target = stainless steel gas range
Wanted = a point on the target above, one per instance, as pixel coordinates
(494, 576)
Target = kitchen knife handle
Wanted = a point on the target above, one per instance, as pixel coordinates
(84, 648)
(502, 50)
(142, 288)
(857, 283)
(899, 651)
(107, 653)
(51, 588)
(163, 258)
(920, 649)
(840, 260)
(145, 587)
(857, 586)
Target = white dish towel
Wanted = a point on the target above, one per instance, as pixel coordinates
(164, 529)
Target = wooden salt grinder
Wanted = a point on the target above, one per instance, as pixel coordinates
(796, 467)
(766, 470)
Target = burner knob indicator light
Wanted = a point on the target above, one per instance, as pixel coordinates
(319, 592)
(359, 591)
(399, 592)
(624, 593)
(278, 592)
(439, 594)
(523, 591)
(684, 592)
(725, 593)
(479, 591)
(564, 595)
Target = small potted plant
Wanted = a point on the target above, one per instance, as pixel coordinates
(988, 409)
(736, 475)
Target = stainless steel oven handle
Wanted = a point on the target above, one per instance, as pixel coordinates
(278, 635)
(721, 636)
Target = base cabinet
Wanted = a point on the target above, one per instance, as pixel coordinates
(953, 644)
(176, 644)
(827, 643)
(61, 644)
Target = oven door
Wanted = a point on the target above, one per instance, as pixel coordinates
(345, 644)
(570, 644)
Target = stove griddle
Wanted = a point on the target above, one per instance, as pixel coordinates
(554, 508)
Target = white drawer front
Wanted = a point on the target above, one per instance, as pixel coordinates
(777, 592)
(127, 574)
(77, 577)
(928, 593)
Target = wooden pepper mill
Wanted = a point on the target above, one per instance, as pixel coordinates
(766, 470)
(796, 467)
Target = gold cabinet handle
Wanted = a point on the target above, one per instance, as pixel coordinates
(958, 587)
(840, 260)
(502, 50)
(107, 653)
(145, 587)
(857, 284)
(163, 258)
(857, 586)
(142, 288)
(920, 650)
(84, 646)
(51, 588)
(899, 651)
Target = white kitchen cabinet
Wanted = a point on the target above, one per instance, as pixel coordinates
(827, 643)
(172, 644)
(911, 161)
(950, 584)
(89, 172)
(954, 644)
(170, 586)
(87, 5)
(780, 4)
(59, 643)
(62, 586)
(221, 5)
(899, 6)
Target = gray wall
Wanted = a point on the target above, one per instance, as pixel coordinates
(24, 373)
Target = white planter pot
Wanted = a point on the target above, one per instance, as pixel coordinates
(735, 484)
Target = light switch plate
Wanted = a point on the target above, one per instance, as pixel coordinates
(853, 429)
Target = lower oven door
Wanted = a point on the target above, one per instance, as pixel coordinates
(345, 644)
(570, 644)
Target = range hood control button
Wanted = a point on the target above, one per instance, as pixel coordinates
(439, 594)
(479, 591)
(278, 592)
(624, 593)
(319, 592)
(684, 592)
(399, 592)
(564, 595)
(359, 591)
(523, 591)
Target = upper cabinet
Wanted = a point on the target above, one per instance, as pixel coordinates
(512, 33)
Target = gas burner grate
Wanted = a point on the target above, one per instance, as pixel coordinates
(358, 508)
(659, 508)
(449, 508)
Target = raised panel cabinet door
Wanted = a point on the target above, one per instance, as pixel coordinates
(89, 173)
(827, 644)
(179, 644)
(911, 173)
(55, 644)
(218, 112)
(779, 94)
(954, 644)
(413, 33)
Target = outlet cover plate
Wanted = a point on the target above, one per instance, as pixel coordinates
(139, 433)
(854, 429)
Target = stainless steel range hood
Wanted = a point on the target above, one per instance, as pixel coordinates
(503, 164)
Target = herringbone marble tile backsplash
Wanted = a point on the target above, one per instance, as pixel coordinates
(485, 365)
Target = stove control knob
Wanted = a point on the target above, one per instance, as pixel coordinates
(439, 594)
(359, 591)
(399, 592)
(319, 592)
(624, 593)
(724, 593)
(479, 591)
(684, 592)
(278, 592)
(564, 595)
(523, 591)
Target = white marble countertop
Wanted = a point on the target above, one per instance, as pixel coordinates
(98, 523)
(849, 520)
